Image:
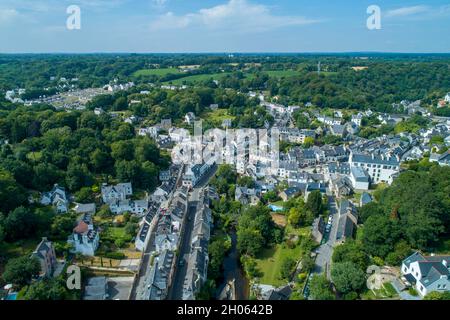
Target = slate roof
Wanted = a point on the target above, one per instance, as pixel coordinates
(43, 247)
(341, 168)
(432, 268)
(360, 174)
(375, 160)
(366, 198)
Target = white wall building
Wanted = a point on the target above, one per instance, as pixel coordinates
(427, 273)
(380, 168)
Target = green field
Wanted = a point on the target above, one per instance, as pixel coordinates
(282, 73)
(269, 263)
(190, 79)
(156, 72)
(198, 78)
(216, 117)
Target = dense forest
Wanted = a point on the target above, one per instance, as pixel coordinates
(387, 79)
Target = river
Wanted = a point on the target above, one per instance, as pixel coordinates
(233, 271)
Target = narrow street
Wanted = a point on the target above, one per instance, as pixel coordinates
(325, 250)
(176, 289)
(138, 284)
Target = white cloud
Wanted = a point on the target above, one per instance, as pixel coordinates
(237, 15)
(159, 3)
(407, 11)
(7, 15)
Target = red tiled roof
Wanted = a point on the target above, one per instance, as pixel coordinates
(82, 227)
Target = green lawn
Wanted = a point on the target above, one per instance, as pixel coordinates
(280, 203)
(269, 263)
(216, 117)
(117, 233)
(156, 72)
(390, 290)
(386, 292)
(282, 73)
(198, 78)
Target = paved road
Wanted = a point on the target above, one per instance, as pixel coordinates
(176, 290)
(325, 250)
(139, 284)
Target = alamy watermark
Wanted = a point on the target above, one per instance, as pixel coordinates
(229, 146)
(73, 22)
(374, 20)
(73, 281)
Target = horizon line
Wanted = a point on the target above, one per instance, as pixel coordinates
(222, 52)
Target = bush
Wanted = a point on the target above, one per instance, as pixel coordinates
(301, 277)
(413, 292)
(120, 243)
(378, 261)
(115, 255)
(351, 296)
(287, 268)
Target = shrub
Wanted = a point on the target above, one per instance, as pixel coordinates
(115, 255)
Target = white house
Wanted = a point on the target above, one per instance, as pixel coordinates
(149, 131)
(84, 239)
(356, 119)
(193, 174)
(427, 273)
(137, 207)
(447, 97)
(380, 168)
(329, 121)
(117, 192)
(189, 118)
(57, 197)
(442, 159)
(359, 178)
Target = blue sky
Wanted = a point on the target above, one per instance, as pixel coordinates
(224, 26)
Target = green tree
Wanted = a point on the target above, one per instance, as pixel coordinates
(20, 224)
(20, 271)
(48, 289)
(314, 203)
(61, 226)
(320, 288)
(401, 250)
(347, 277)
(438, 296)
(12, 194)
(351, 251)
(380, 234)
(84, 195)
(287, 268)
